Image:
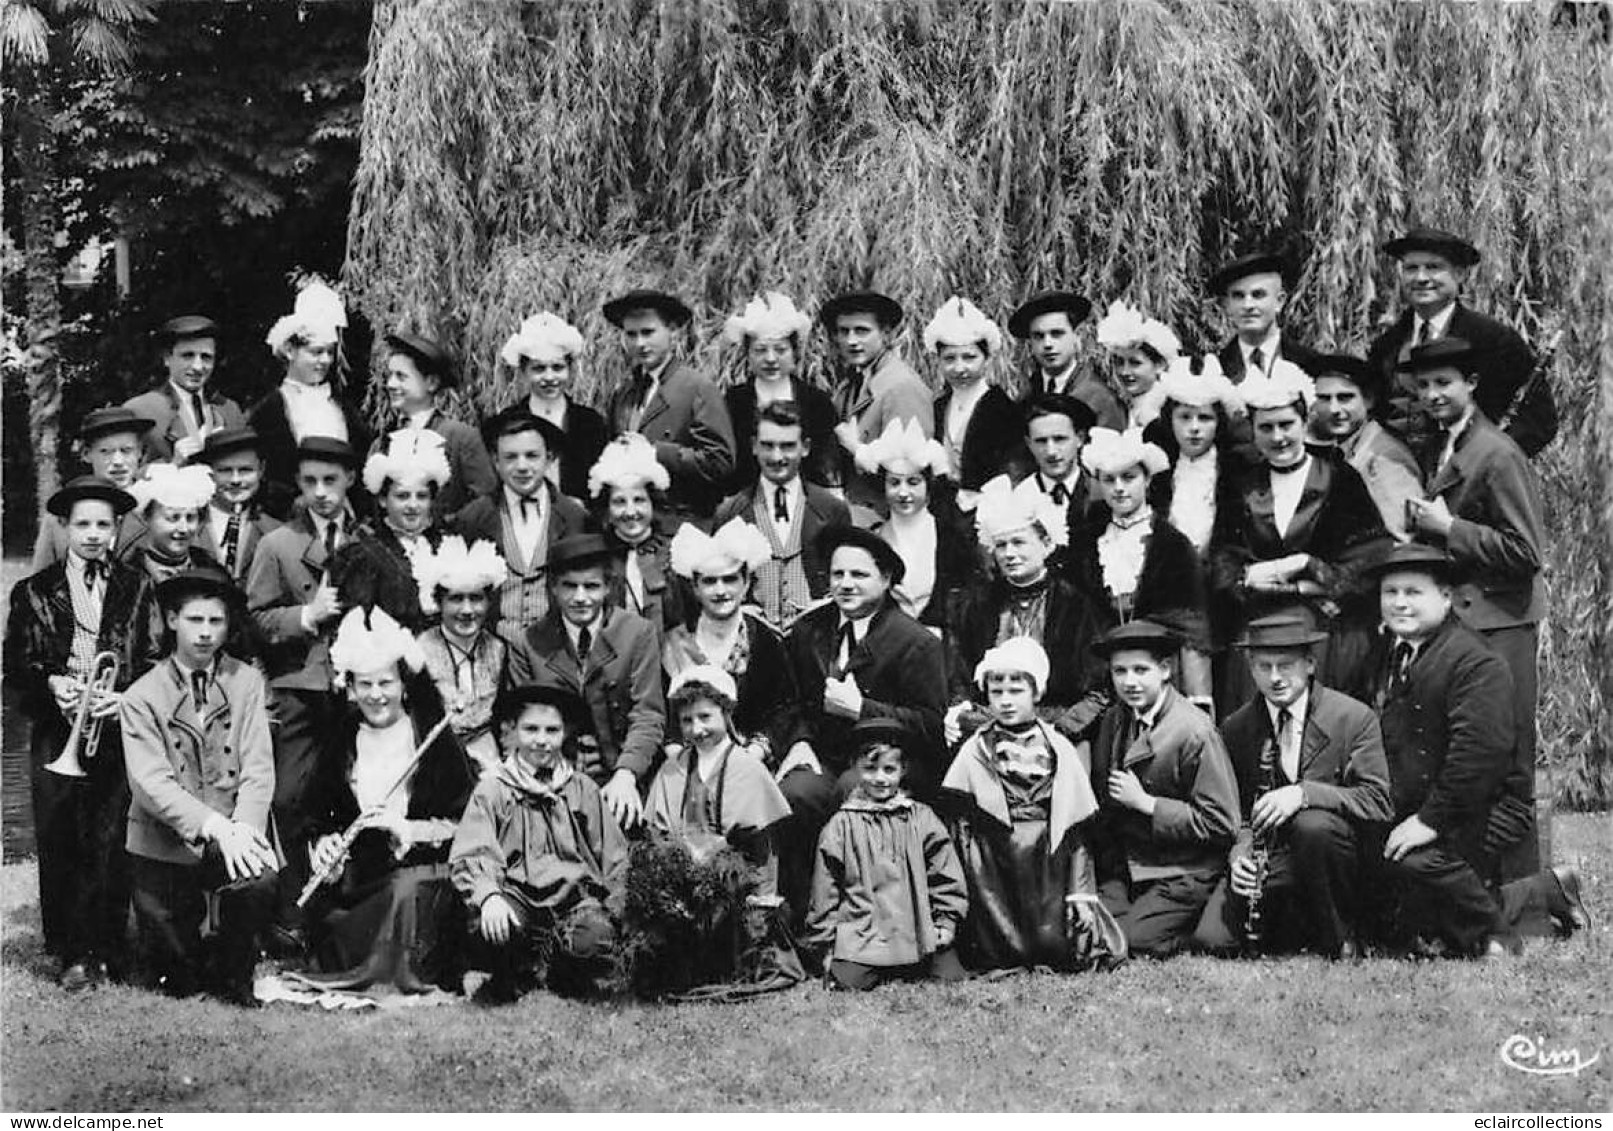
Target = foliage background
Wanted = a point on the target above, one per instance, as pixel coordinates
(542, 156)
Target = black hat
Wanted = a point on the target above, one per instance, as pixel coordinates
(328, 449)
(1294, 627)
(577, 551)
(1082, 417)
(1441, 353)
(513, 700)
(1352, 368)
(831, 538)
(1451, 246)
(670, 307)
(430, 357)
(886, 310)
(227, 440)
(186, 326)
(1255, 263)
(198, 581)
(870, 732)
(89, 487)
(1417, 557)
(519, 418)
(1048, 302)
(105, 421)
(1144, 635)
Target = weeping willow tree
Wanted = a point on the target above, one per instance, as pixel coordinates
(542, 156)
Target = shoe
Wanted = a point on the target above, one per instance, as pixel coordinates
(1495, 951)
(75, 978)
(238, 994)
(1572, 916)
(497, 991)
(1349, 951)
(284, 943)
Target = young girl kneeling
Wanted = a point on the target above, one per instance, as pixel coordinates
(1021, 833)
(888, 894)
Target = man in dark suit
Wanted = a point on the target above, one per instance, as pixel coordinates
(1311, 776)
(1047, 322)
(291, 597)
(417, 370)
(673, 405)
(108, 441)
(1253, 292)
(184, 409)
(857, 657)
(1483, 507)
(1432, 266)
(1055, 431)
(789, 512)
(234, 522)
(526, 516)
(608, 657)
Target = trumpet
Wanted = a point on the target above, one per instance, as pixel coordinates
(84, 740)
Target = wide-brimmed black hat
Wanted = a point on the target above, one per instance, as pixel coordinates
(1081, 414)
(519, 418)
(513, 700)
(198, 581)
(1441, 353)
(185, 326)
(226, 440)
(1348, 366)
(576, 551)
(1254, 263)
(1416, 557)
(831, 538)
(328, 449)
(430, 357)
(105, 421)
(1448, 244)
(1048, 302)
(1286, 628)
(670, 307)
(1144, 635)
(886, 310)
(89, 487)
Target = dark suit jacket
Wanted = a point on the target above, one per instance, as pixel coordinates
(586, 437)
(1091, 390)
(667, 597)
(160, 405)
(822, 464)
(1231, 357)
(1449, 733)
(1337, 523)
(822, 509)
(285, 574)
(688, 423)
(621, 685)
(255, 525)
(1505, 362)
(901, 669)
(1170, 590)
(1342, 768)
(993, 440)
(1182, 762)
(1499, 534)
(279, 447)
(483, 519)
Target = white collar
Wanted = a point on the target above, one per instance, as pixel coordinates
(1269, 346)
(1436, 325)
(1455, 431)
(1297, 710)
(184, 395)
(575, 630)
(859, 627)
(420, 420)
(964, 400)
(1063, 377)
(295, 388)
(1151, 716)
(512, 501)
(1070, 482)
(793, 490)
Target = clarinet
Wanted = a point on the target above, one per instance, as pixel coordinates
(1548, 355)
(1254, 927)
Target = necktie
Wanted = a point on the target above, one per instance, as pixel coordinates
(1060, 494)
(93, 572)
(526, 509)
(1257, 359)
(197, 411)
(1422, 333)
(1399, 665)
(198, 687)
(848, 641)
(232, 538)
(330, 538)
(1285, 742)
(1138, 729)
(585, 641)
(781, 506)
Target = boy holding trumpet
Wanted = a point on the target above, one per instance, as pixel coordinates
(77, 635)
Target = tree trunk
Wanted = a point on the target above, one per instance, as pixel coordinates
(36, 188)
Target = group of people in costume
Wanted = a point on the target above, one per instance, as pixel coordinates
(1231, 652)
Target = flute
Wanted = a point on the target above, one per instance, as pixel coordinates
(350, 834)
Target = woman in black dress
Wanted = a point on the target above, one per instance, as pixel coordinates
(543, 354)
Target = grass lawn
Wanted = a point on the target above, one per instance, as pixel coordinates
(1186, 1034)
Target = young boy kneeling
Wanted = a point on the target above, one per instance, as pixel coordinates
(196, 744)
(536, 857)
(888, 894)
